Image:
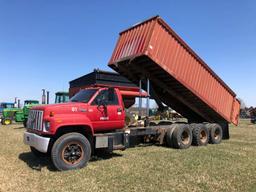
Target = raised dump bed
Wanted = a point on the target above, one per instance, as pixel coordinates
(179, 77)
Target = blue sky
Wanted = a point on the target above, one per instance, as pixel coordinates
(45, 44)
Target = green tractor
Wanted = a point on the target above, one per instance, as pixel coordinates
(4, 105)
(22, 116)
(8, 114)
(61, 97)
(17, 114)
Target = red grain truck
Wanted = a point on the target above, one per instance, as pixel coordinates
(151, 55)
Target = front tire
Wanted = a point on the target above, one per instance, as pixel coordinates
(71, 151)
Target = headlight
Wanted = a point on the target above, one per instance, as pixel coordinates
(47, 126)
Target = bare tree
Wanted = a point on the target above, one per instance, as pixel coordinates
(242, 106)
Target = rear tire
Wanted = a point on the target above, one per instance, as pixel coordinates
(6, 121)
(71, 151)
(169, 134)
(215, 134)
(200, 135)
(182, 137)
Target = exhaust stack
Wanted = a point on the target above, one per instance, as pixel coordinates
(43, 96)
(47, 97)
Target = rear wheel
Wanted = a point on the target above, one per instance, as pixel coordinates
(200, 135)
(6, 121)
(182, 136)
(71, 151)
(215, 133)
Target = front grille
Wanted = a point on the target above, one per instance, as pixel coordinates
(35, 120)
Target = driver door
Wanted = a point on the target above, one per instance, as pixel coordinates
(107, 116)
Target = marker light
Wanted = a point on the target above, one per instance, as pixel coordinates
(51, 114)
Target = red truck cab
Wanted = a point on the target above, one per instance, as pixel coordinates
(91, 111)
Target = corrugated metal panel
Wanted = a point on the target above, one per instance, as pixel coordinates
(236, 111)
(198, 79)
(157, 40)
(133, 42)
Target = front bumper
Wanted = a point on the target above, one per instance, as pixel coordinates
(38, 142)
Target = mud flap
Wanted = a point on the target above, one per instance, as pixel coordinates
(225, 129)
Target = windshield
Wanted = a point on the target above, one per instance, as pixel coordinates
(30, 102)
(61, 98)
(8, 105)
(83, 95)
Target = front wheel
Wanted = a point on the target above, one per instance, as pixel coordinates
(71, 151)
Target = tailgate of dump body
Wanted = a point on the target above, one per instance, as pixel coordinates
(153, 50)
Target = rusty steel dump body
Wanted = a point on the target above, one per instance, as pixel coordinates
(179, 77)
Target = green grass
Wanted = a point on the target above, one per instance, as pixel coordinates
(230, 166)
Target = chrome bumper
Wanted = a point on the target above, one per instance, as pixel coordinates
(36, 141)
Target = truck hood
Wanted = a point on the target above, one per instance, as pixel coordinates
(69, 107)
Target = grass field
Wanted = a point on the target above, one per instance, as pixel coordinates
(230, 166)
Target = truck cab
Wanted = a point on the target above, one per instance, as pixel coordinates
(91, 111)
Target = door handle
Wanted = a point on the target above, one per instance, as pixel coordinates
(119, 109)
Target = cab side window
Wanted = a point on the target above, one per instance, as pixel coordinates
(108, 95)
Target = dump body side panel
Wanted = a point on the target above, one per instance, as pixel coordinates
(174, 58)
(235, 112)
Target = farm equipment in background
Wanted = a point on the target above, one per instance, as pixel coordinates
(8, 115)
(23, 115)
(4, 105)
(61, 97)
(12, 113)
(253, 114)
